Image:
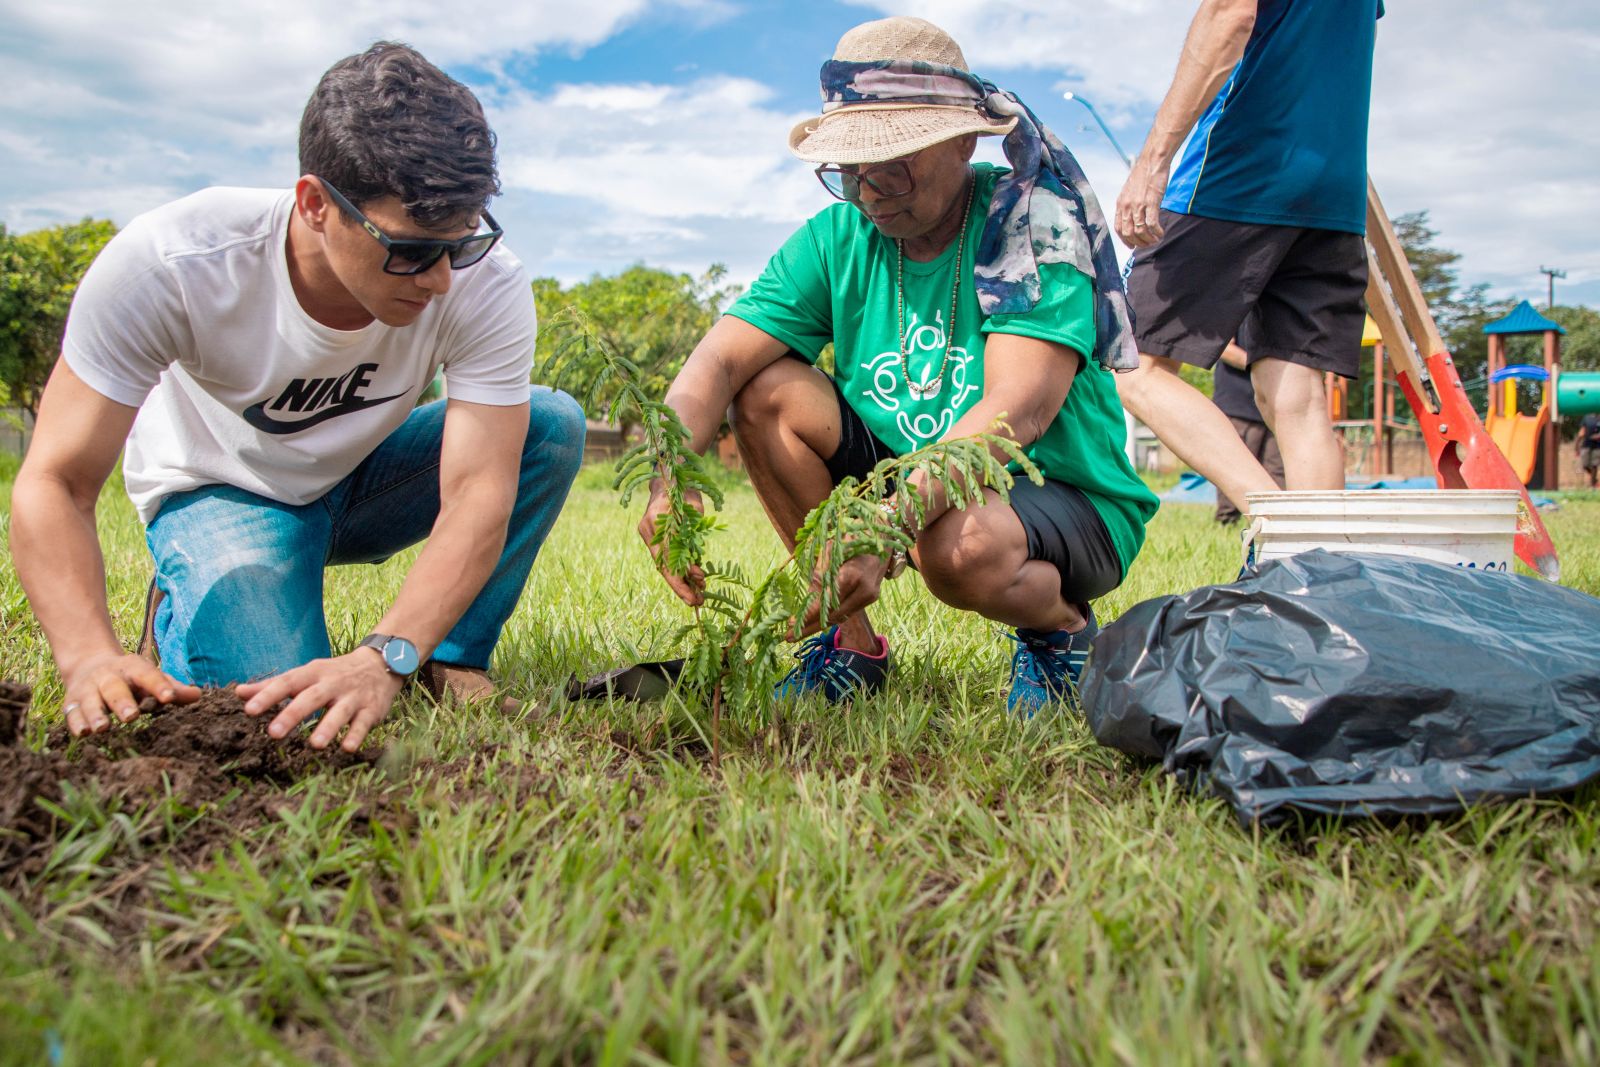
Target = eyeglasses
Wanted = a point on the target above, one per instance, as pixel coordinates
(886, 179)
(411, 255)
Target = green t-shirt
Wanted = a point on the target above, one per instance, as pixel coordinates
(834, 281)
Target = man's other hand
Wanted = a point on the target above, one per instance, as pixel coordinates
(113, 685)
(354, 690)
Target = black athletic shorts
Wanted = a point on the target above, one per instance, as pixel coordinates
(1302, 289)
(1063, 528)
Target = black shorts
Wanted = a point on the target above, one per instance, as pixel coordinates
(1302, 290)
(1063, 528)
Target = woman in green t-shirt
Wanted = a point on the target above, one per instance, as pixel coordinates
(953, 295)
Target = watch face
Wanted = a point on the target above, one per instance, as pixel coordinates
(401, 656)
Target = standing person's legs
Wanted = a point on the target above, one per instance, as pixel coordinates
(1189, 424)
(1308, 322)
(391, 502)
(1189, 293)
(1271, 456)
(1295, 404)
(240, 578)
(1264, 447)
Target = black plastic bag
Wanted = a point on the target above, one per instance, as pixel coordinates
(1356, 685)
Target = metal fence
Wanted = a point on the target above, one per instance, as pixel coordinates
(16, 430)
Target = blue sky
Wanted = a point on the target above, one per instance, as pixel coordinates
(654, 131)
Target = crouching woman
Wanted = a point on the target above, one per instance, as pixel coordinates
(955, 295)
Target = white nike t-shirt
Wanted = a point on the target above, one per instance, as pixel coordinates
(188, 315)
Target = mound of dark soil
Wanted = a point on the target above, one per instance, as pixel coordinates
(201, 753)
(14, 700)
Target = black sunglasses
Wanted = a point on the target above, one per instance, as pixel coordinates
(412, 255)
(886, 179)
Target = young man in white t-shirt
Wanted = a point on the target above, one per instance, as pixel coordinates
(260, 353)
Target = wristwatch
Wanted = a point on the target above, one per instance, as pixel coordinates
(399, 655)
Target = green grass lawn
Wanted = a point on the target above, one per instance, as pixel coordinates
(918, 879)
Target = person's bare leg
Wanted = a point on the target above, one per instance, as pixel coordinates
(787, 421)
(1294, 403)
(977, 560)
(1193, 427)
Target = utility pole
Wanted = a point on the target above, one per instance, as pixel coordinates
(1552, 274)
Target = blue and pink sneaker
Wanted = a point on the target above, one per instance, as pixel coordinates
(839, 674)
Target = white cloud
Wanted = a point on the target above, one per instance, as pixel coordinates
(112, 109)
(657, 152)
(1487, 117)
(1490, 120)
(676, 175)
(1126, 50)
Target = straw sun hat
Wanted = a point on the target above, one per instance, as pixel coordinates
(872, 132)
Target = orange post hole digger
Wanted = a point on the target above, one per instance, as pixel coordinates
(1464, 456)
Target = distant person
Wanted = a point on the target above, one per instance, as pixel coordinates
(1232, 392)
(953, 294)
(1264, 212)
(259, 352)
(1589, 448)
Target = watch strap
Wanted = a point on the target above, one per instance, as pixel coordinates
(380, 643)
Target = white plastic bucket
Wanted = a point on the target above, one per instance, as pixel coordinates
(1464, 527)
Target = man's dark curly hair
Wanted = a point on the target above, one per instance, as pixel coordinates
(389, 123)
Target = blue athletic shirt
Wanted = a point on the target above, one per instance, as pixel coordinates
(1285, 141)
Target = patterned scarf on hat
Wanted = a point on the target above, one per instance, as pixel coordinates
(1042, 212)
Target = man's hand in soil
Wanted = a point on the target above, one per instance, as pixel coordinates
(355, 690)
(689, 587)
(112, 685)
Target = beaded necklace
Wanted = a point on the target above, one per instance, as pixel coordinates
(924, 392)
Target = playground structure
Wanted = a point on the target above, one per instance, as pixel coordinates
(1461, 451)
(1529, 439)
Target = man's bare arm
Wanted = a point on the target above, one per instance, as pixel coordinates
(730, 354)
(1213, 47)
(57, 553)
(479, 469)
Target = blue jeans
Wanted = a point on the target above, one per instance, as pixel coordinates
(243, 574)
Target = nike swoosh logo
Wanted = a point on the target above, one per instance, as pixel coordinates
(256, 414)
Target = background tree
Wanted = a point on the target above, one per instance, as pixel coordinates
(39, 274)
(1580, 348)
(1460, 315)
(651, 317)
(1434, 267)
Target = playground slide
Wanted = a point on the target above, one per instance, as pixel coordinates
(1517, 436)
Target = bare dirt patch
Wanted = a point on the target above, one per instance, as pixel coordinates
(202, 754)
